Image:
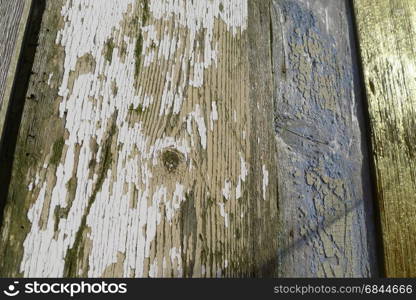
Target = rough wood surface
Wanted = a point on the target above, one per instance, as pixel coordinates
(141, 152)
(13, 17)
(181, 138)
(324, 183)
(386, 30)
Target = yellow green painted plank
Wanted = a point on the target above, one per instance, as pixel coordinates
(386, 31)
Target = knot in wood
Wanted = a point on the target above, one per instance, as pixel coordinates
(171, 159)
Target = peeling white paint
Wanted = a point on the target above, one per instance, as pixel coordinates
(223, 213)
(265, 181)
(82, 121)
(200, 122)
(50, 78)
(214, 114)
(34, 183)
(176, 260)
(153, 269)
(115, 224)
(175, 204)
(226, 191)
(197, 17)
(241, 177)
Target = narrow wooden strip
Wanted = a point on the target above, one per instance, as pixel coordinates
(386, 30)
(325, 200)
(13, 19)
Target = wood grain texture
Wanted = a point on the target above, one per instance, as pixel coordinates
(326, 219)
(141, 152)
(386, 31)
(13, 18)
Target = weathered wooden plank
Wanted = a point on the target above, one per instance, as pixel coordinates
(263, 156)
(325, 204)
(139, 152)
(13, 20)
(386, 31)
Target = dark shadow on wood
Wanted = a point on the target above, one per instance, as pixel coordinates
(366, 142)
(17, 99)
(326, 223)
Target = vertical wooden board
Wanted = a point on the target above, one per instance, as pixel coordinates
(13, 18)
(386, 31)
(326, 221)
(263, 158)
(135, 155)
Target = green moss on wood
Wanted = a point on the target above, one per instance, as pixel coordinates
(108, 50)
(57, 149)
(146, 11)
(139, 43)
(114, 88)
(75, 253)
(210, 201)
(138, 54)
(138, 110)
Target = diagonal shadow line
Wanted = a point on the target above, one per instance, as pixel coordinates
(321, 226)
